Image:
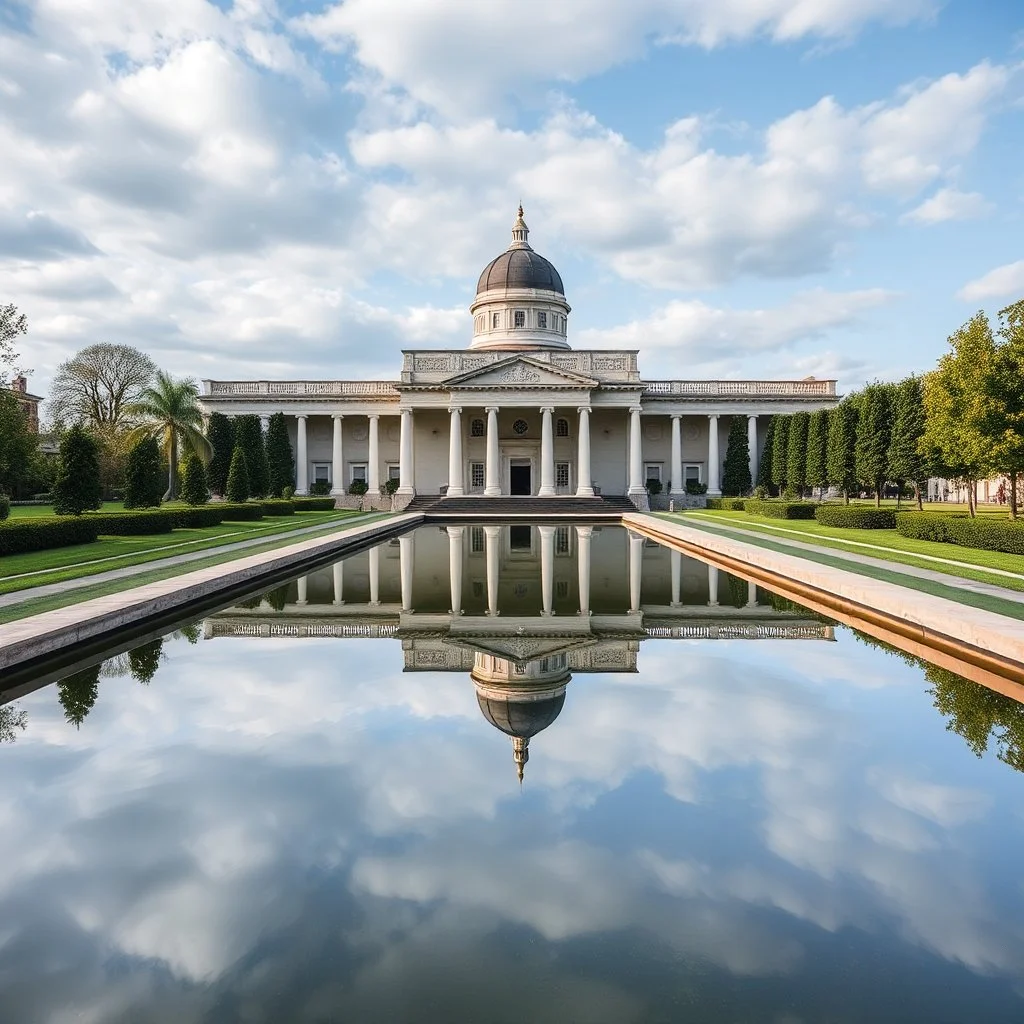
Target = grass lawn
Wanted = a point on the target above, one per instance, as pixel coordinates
(35, 568)
(973, 561)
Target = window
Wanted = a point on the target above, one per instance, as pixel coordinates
(561, 589)
(394, 471)
(561, 428)
(561, 474)
(495, 321)
(321, 472)
(476, 428)
(476, 474)
(691, 472)
(562, 540)
(520, 426)
(476, 540)
(359, 471)
(542, 320)
(652, 471)
(520, 318)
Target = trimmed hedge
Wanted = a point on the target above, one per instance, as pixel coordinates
(277, 507)
(235, 512)
(40, 534)
(984, 532)
(5, 506)
(856, 517)
(132, 524)
(197, 517)
(780, 509)
(313, 504)
(729, 504)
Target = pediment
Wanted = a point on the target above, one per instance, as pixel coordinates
(521, 649)
(521, 372)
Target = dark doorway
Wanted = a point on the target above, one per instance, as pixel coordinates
(520, 538)
(519, 479)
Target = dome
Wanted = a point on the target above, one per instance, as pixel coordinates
(520, 268)
(520, 718)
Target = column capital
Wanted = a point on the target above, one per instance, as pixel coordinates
(455, 408)
(337, 415)
(713, 415)
(302, 415)
(492, 408)
(636, 408)
(583, 409)
(373, 415)
(584, 531)
(547, 408)
(676, 415)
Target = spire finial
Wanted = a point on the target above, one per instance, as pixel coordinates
(520, 232)
(520, 754)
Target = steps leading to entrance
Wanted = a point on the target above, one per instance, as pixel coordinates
(506, 507)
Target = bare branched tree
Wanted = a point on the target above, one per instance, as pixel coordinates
(98, 386)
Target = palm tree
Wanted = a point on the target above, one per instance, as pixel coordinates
(171, 408)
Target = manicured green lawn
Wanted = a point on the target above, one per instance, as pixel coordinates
(34, 511)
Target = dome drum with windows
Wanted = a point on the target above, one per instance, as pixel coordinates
(520, 299)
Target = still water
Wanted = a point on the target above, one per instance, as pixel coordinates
(617, 786)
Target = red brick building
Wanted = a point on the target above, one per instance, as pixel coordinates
(28, 402)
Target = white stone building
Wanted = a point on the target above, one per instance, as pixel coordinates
(519, 412)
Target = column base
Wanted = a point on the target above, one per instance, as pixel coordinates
(635, 492)
(584, 492)
(455, 492)
(410, 491)
(302, 492)
(547, 492)
(717, 493)
(334, 494)
(492, 492)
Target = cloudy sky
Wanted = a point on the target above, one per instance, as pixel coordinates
(290, 189)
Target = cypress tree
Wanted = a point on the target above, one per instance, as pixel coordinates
(764, 468)
(796, 453)
(77, 694)
(145, 660)
(144, 482)
(736, 477)
(280, 461)
(817, 449)
(220, 432)
(77, 487)
(249, 437)
(873, 433)
(907, 463)
(238, 477)
(780, 451)
(193, 485)
(841, 464)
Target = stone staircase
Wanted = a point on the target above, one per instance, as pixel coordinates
(476, 507)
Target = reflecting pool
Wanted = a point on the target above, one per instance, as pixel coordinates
(514, 774)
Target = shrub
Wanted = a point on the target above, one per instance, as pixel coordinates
(197, 518)
(780, 509)
(391, 486)
(277, 507)
(320, 488)
(193, 485)
(985, 532)
(287, 493)
(313, 504)
(654, 486)
(856, 517)
(46, 532)
(241, 511)
(693, 487)
(358, 487)
(730, 504)
(77, 487)
(144, 475)
(5, 507)
(133, 524)
(238, 478)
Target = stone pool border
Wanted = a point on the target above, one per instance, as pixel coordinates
(48, 633)
(936, 628)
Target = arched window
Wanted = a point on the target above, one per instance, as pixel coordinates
(561, 428)
(476, 428)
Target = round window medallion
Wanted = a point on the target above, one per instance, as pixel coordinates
(520, 426)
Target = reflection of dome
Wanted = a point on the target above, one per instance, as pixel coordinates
(520, 719)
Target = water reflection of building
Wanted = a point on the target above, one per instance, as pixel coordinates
(518, 608)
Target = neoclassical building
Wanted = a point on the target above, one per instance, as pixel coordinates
(518, 412)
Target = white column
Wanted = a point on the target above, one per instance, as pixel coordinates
(751, 594)
(584, 480)
(405, 561)
(678, 486)
(492, 536)
(712, 585)
(302, 581)
(374, 577)
(547, 454)
(636, 557)
(406, 481)
(677, 574)
(455, 535)
(373, 459)
(547, 566)
(583, 538)
(752, 443)
(337, 462)
(339, 583)
(264, 422)
(636, 461)
(455, 489)
(301, 463)
(714, 461)
(492, 483)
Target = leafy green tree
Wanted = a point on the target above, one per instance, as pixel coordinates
(841, 460)
(220, 436)
(736, 477)
(144, 479)
(1004, 411)
(144, 660)
(170, 409)
(874, 430)
(12, 325)
(238, 477)
(249, 437)
(280, 461)
(77, 694)
(193, 484)
(796, 453)
(908, 461)
(12, 718)
(780, 452)
(817, 450)
(18, 445)
(764, 467)
(77, 487)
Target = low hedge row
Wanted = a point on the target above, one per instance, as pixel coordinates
(313, 504)
(983, 532)
(132, 524)
(729, 504)
(247, 512)
(197, 517)
(39, 534)
(780, 509)
(856, 517)
(277, 507)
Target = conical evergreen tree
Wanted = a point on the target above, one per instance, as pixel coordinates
(220, 433)
(77, 487)
(77, 694)
(841, 460)
(143, 661)
(238, 478)
(144, 477)
(817, 449)
(736, 477)
(906, 461)
(796, 453)
(780, 451)
(249, 437)
(280, 461)
(193, 484)
(764, 468)
(874, 430)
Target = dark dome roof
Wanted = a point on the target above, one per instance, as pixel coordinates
(521, 718)
(520, 268)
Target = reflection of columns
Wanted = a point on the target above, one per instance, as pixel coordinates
(547, 454)
(455, 454)
(492, 535)
(712, 585)
(455, 535)
(636, 467)
(301, 465)
(492, 485)
(406, 483)
(636, 556)
(677, 575)
(714, 462)
(302, 581)
(337, 462)
(547, 566)
(678, 486)
(583, 536)
(339, 583)
(751, 594)
(752, 442)
(405, 560)
(584, 480)
(374, 577)
(373, 469)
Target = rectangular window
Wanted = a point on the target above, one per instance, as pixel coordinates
(562, 540)
(691, 472)
(476, 474)
(322, 472)
(652, 471)
(359, 471)
(561, 474)
(520, 318)
(542, 320)
(476, 540)
(394, 471)
(495, 321)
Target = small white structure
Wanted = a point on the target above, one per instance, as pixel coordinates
(519, 412)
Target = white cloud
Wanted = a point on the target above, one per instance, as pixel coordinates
(949, 204)
(1007, 280)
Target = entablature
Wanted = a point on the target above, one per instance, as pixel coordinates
(432, 366)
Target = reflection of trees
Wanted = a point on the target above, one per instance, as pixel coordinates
(738, 591)
(12, 718)
(278, 597)
(77, 694)
(192, 632)
(143, 661)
